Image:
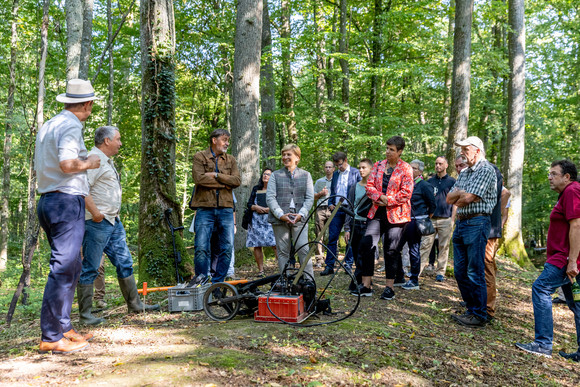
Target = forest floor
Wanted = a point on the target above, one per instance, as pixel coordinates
(408, 341)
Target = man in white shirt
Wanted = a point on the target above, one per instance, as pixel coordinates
(104, 231)
(61, 163)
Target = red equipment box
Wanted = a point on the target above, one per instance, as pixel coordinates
(287, 308)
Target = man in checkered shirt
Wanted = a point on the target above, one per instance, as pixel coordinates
(475, 195)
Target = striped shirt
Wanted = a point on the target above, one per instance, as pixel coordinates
(479, 180)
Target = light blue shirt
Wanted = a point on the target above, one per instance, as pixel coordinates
(342, 183)
(60, 139)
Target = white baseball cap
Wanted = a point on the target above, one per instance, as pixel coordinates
(471, 140)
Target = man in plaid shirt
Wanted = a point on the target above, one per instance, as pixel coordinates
(475, 195)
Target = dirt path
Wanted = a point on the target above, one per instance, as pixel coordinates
(410, 341)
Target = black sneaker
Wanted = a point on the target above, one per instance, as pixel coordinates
(470, 320)
(388, 294)
(574, 356)
(327, 271)
(364, 292)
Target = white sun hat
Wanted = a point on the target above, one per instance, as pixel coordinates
(77, 91)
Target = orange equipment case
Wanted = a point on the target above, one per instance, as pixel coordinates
(287, 308)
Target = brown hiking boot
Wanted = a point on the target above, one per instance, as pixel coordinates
(64, 345)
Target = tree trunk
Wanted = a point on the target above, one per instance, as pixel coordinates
(267, 93)
(32, 226)
(246, 102)
(448, 72)
(376, 51)
(343, 49)
(74, 32)
(287, 86)
(5, 207)
(514, 244)
(461, 83)
(158, 139)
(186, 193)
(86, 39)
(111, 64)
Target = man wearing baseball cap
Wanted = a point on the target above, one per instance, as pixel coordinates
(61, 163)
(475, 195)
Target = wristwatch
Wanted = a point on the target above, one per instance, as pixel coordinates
(216, 175)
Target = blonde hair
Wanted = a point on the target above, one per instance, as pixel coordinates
(293, 148)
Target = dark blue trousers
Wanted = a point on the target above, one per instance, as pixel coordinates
(333, 234)
(62, 217)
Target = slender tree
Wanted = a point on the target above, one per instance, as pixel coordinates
(287, 84)
(516, 131)
(343, 49)
(158, 139)
(111, 65)
(448, 68)
(267, 93)
(461, 81)
(246, 100)
(5, 207)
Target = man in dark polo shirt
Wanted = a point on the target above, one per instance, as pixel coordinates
(442, 219)
(475, 195)
(561, 267)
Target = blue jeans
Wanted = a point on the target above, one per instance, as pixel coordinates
(62, 217)
(103, 237)
(205, 221)
(333, 234)
(544, 286)
(469, 241)
(412, 236)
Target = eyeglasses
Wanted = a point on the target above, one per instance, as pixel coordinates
(267, 174)
(554, 174)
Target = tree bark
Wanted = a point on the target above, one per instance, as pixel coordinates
(513, 240)
(343, 49)
(158, 139)
(267, 93)
(461, 84)
(5, 207)
(74, 32)
(246, 102)
(287, 86)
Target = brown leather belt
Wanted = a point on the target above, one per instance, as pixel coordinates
(469, 216)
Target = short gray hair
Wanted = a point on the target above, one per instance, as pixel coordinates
(104, 132)
(420, 164)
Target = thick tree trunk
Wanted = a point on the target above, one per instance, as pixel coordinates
(513, 240)
(287, 86)
(74, 32)
(343, 49)
(267, 93)
(32, 226)
(87, 37)
(246, 102)
(5, 207)
(158, 139)
(461, 83)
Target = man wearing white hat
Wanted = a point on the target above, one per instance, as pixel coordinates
(61, 163)
(475, 195)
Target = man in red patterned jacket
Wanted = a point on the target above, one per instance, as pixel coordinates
(389, 186)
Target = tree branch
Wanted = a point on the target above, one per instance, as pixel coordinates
(110, 44)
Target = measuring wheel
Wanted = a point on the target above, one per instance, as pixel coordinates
(221, 301)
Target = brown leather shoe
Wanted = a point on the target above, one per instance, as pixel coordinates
(64, 345)
(72, 335)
